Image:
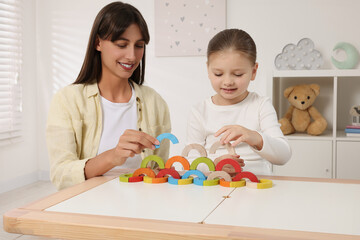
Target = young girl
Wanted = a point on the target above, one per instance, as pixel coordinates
(235, 115)
(106, 118)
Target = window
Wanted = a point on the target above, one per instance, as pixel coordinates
(10, 64)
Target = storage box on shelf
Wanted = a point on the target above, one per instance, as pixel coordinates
(332, 154)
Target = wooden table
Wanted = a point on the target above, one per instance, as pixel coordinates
(104, 208)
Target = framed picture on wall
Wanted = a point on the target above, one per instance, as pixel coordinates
(184, 27)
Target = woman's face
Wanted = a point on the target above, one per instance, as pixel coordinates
(120, 58)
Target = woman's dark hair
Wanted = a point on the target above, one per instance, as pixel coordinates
(234, 39)
(110, 23)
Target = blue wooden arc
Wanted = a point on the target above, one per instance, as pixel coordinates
(169, 136)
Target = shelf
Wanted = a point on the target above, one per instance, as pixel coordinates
(340, 135)
(317, 73)
(326, 135)
(333, 152)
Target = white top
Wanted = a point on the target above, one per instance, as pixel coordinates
(117, 117)
(254, 112)
(288, 205)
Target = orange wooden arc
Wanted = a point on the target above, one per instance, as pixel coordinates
(248, 175)
(145, 171)
(184, 162)
(230, 161)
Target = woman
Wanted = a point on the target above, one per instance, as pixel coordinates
(106, 118)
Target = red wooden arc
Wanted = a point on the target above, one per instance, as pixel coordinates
(230, 161)
(168, 171)
(248, 175)
(136, 179)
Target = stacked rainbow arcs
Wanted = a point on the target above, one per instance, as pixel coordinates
(167, 172)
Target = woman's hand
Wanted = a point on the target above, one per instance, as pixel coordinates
(240, 134)
(130, 143)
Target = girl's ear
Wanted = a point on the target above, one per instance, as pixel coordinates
(254, 71)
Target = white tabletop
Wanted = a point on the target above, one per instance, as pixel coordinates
(294, 205)
(185, 203)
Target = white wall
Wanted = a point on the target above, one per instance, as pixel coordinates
(19, 162)
(62, 29)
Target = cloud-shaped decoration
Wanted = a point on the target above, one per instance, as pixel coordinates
(300, 56)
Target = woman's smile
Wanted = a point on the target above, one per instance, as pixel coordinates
(126, 66)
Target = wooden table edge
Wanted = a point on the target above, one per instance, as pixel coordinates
(32, 219)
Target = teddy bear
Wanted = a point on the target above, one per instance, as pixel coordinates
(301, 111)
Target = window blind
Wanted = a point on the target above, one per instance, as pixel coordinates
(10, 64)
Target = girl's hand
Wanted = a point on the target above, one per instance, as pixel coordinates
(130, 143)
(240, 134)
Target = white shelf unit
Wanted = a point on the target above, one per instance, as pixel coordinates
(332, 154)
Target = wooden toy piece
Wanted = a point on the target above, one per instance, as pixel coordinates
(212, 182)
(193, 172)
(233, 184)
(185, 181)
(228, 146)
(168, 171)
(248, 175)
(154, 158)
(184, 162)
(230, 161)
(155, 180)
(128, 177)
(169, 136)
(125, 177)
(232, 170)
(200, 148)
(205, 160)
(202, 182)
(144, 171)
(219, 174)
(262, 184)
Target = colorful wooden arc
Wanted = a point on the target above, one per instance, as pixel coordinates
(233, 184)
(230, 161)
(220, 175)
(202, 182)
(169, 136)
(216, 145)
(155, 180)
(154, 158)
(168, 171)
(144, 171)
(262, 184)
(128, 177)
(248, 175)
(184, 162)
(194, 172)
(200, 148)
(205, 160)
(185, 181)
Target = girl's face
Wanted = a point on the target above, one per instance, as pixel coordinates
(120, 58)
(230, 73)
